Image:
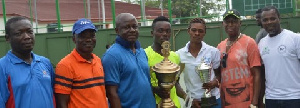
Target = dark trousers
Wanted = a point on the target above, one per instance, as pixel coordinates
(292, 103)
(216, 106)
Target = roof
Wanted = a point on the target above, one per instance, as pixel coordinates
(72, 10)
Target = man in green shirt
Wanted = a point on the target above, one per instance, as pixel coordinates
(161, 31)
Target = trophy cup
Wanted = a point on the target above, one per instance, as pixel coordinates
(166, 73)
(203, 70)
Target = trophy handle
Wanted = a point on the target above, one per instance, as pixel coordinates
(177, 76)
(181, 66)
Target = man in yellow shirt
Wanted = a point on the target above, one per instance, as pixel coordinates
(161, 31)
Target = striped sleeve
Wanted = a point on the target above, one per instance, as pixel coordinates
(63, 79)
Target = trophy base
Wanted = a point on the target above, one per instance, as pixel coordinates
(166, 103)
(208, 102)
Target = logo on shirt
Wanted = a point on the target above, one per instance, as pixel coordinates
(207, 60)
(45, 74)
(265, 50)
(282, 49)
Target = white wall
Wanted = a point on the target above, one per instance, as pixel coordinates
(2, 26)
(42, 28)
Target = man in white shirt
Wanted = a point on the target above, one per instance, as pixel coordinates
(280, 52)
(195, 52)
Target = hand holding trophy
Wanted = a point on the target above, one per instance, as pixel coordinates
(204, 72)
(166, 74)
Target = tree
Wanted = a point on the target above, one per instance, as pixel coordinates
(188, 8)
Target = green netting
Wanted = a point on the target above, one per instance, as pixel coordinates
(248, 7)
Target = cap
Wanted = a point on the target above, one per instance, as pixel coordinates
(81, 25)
(232, 12)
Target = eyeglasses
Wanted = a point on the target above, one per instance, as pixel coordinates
(224, 60)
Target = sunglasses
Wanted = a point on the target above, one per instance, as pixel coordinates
(224, 60)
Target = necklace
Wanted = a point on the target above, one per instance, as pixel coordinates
(228, 43)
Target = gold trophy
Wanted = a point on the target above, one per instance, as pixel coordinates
(167, 74)
(204, 72)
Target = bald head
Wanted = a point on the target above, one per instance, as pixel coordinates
(122, 17)
(127, 27)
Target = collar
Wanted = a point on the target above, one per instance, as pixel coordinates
(279, 34)
(16, 60)
(156, 54)
(126, 44)
(81, 59)
(186, 48)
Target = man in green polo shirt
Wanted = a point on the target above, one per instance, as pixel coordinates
(161, 31)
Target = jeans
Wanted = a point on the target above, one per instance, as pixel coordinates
(219, 104)
(292, 103)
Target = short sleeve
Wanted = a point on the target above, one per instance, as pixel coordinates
(298, 45)
(51, 70)
(222, 47)
(111, 70)
(63, 79)
(52, 75)
(175, 57)
(2, 103)
(253, 54)
(4, 92)
(178, 52)
(216, 58)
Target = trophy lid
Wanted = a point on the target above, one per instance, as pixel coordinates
(203, 65)
(166, 66)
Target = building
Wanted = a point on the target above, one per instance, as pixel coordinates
(70, 11)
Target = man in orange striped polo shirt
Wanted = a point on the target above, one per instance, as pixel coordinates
(79, 76)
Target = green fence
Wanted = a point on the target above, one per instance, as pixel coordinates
(248, 7)
(57, 45)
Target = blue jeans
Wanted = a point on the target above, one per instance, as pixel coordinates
(219, 104)
(292, 103)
